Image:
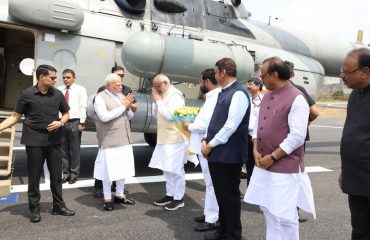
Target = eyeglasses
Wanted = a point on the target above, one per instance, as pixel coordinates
(346, 73)
(157, 87)
(121, 75)
(263, 76)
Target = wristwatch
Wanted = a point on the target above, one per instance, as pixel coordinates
(273, 157)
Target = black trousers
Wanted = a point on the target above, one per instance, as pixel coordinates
(226, 181)
(360, 216)
(249, 165)
(71, 146)
(35, 160)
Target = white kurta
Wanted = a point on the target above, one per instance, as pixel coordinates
(282, 193)
(114, 163)
(118, 162)
(169, 157)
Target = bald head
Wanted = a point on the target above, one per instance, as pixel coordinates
(162, 83)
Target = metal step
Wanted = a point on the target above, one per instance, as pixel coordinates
(6, 160)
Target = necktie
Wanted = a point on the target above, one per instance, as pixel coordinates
(66, 95)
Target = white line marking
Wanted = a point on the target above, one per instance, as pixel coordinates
(91, 146)
(319, 126)
(137, 180)
(315, 169)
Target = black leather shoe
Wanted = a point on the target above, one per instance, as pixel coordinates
(63, 211)
(203, 227)
(124, 200)
(98, 192)
(65, 179)
(300, 218)
(214, 236)
(35, 217)
(108, 206)
(200, 219)
(72, 180)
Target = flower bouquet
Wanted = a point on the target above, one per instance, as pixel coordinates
(184, 115)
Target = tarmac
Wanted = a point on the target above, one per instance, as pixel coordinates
(146, 221)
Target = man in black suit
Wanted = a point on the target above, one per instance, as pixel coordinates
(355, 143)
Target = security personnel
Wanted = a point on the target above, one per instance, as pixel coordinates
(42, 136)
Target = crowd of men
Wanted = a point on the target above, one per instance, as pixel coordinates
(266, 132)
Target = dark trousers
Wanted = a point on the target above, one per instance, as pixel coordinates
(226, 181)
(71, 146)
(360, 216)
(35, 160)
(249, 165)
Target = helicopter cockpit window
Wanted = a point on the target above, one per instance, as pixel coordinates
(193, 17)
(132, 6)
(221, 17)
(26, 66)
(170, 6)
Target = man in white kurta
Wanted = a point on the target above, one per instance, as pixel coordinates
(115, 159)
(279, 183)
(170, 152)
(198, 128)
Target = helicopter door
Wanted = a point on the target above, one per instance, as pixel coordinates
(16, 45)
(2, 74)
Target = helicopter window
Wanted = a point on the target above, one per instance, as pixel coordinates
(193, 17)
(171, 6)
(132, 6)
(222, 18)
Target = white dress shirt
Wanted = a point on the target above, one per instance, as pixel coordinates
(77, 101)
(237, 110)
(102, 112)
(297, 122)
(255, 108)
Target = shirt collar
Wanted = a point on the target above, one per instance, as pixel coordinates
(70, 87)
(228, 85)
(214, 91)
(35, 89)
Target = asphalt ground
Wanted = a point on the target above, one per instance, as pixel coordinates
(146, 221)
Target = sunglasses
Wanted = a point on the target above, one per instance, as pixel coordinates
(121, 75)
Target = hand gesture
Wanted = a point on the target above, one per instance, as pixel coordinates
(206, 150)
(127, 100)
(54, 125)
(340, 181)
(156, 95)
(265, 162)
(81, 127)
(257, 157)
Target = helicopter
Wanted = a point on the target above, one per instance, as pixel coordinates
(178, 38)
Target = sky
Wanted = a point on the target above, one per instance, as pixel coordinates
(333, 18)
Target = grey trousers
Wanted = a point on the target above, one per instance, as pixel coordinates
(71, 146)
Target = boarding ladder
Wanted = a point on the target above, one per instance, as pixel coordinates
(6, 160)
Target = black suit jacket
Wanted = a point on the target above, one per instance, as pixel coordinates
(355, 144)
